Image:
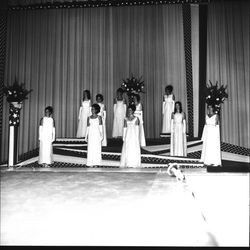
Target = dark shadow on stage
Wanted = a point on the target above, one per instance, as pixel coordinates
(230, 166)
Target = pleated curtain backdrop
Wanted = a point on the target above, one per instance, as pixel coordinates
(60, 52)
(228, 63)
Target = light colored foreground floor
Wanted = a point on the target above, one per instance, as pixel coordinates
(124, 208)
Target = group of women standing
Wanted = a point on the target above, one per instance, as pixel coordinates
(174, 122)
(128, 125)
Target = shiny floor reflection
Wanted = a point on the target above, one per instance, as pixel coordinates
(100, 208)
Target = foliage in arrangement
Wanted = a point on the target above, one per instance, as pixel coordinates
(16, 92)
(216, 95)
(133, 86)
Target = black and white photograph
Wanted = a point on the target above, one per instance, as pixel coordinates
(125, 123)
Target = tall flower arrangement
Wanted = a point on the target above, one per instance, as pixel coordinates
(15, 95)
(216, 95)
(133, 86)
(16, 92)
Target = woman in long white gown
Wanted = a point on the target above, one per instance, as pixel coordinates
(139, 114)
(46, 138)
(178, 144)
(84, 113)
(211, 151)
(94, 137)
(102, 113)
(119, 113)
(131, 151)
(167, 109)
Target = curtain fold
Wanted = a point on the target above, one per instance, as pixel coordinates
(228, 63)
(60, 52)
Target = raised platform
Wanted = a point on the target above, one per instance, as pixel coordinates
(72, 153)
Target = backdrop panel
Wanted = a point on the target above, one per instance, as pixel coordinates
(195, 63)
(228, 63)
(58, 53)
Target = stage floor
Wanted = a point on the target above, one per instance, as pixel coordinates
(72, 153)
(108, 206)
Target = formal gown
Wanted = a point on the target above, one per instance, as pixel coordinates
(46, 137)
(211, 152)
(102, 113)
(131, 151)
(139, 113)
(94, 152)
(178, 143)
(119, 116)
(84, 113)
(167, 109)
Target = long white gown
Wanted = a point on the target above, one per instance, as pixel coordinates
(46, 137)
(84, 112)
(102, 113)
(119, 116)
(167, 109)
(178, 144)
(211, 152)
(94, 152)
(131, 151)
(139, 113)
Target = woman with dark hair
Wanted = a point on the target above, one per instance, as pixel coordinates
(131, 151)
(139, 114)
(211, 152)
(84, 113)
(167, 109)
(178, 144)
(102, 113)
(46, 138)
(94, 137)
(119, 113)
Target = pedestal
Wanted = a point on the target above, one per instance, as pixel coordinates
(13, 146)
(14, 120)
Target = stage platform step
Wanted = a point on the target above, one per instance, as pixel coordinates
(155, 155)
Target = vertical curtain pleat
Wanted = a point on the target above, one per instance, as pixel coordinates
(60, 52)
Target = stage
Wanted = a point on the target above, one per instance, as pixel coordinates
(72, 153)
(53, 52)
(71, 204)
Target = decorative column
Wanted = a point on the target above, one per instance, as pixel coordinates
(14, 120)
(202, 66)
(15, 94)
(186, 12)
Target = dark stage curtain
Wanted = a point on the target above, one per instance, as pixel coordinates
(60, 52)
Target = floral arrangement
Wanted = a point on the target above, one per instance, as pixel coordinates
(133, 86)
(16, 92)
(216, 95)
